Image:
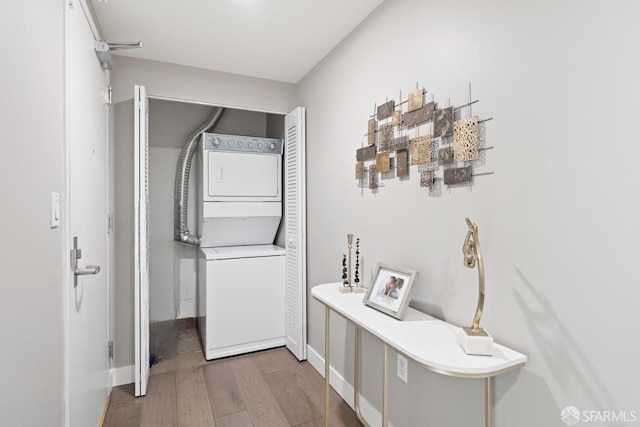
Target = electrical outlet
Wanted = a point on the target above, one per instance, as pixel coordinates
(402, 368)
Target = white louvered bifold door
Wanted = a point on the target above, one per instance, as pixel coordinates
(295, 217)
(141, 250)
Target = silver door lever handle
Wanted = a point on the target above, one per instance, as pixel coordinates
(90, 269)
(76, 254)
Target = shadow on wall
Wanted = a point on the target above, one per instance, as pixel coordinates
(556, 344)
(516, 387)
(434, 310)
(447, 292)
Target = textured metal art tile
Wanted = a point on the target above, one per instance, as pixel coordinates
(415, 100)
(385, 137)
(391, 173)
(482, 145)
(420, 150)
(443, 122)
(445, 156)
(400, 143)
(465, 139)
(371, 132)
(402, 160)
(427, 178)
(396, 118)
(457, 175)
(421, 115)
(373, 177)
(433, 164)
(385, 110)
(359, 170)
(436, 188)
(366, 153)
(382, 162)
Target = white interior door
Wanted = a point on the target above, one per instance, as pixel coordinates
(87, 196)
(295, 212)
(141, 263)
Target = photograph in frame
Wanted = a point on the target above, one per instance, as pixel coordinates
(390, 290)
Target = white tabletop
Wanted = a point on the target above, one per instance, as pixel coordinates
(431, 342)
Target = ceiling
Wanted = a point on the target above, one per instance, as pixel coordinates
(272, 39)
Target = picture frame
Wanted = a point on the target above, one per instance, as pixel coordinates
(390, 290)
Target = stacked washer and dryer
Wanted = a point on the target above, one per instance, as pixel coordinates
(241, 273)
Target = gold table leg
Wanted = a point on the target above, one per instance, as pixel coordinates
(385, 387)
(488, 400)
(327, 370)
(356, 378)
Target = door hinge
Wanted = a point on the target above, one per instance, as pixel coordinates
(109, 95)
(110, 349)
(109, 223)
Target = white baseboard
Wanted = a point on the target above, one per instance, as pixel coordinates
(122, 375)
(370, 413)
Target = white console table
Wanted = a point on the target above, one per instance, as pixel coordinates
(429, 342)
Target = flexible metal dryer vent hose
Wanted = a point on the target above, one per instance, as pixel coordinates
(183, 170)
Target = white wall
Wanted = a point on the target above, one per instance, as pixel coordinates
(31, 166)
(195, 84)
(177, 82)
(558, 220)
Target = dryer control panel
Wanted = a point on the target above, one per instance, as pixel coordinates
(221, 142)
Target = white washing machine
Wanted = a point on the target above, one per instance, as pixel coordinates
(241, 274)
(243, 300)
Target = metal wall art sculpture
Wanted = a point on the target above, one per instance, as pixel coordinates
(410, 132)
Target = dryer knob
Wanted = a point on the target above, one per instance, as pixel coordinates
(272, 146)
(216, 142)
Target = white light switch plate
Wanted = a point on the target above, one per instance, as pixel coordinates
(54, 211)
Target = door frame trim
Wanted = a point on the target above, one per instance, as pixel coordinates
(66, 223)
(151, 96)
(213, 104)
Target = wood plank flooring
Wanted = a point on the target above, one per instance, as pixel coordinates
(269, 388)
